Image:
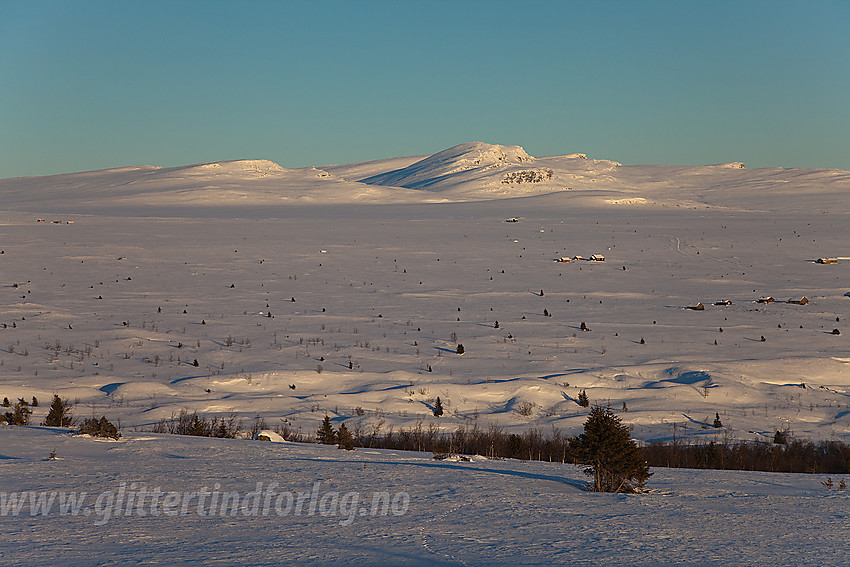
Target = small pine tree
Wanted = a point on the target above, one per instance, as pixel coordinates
(582, 399)
(583, 326)
(717, 423)
(34, 402)
(438, 407)
(613, 459)
(460, 349)
(346, 441)
(326, 434)
(6, 403)
(545, 312)
(59, 414)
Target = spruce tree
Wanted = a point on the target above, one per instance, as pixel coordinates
(59, 414)
(612, 457)
(460, 349)
(326, 434)
(346, 440)
(438, 407)
(717, 423)
(582, 399)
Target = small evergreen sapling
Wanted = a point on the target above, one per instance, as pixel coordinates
(438, 407)
(717, 423)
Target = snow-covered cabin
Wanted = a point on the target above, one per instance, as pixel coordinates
(802, 301)
(563, 260)
(723, 302)
(767, 299)
(827, 260)
(512, 219)
(597, 258)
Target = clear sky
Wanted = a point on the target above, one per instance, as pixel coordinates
(95, 84)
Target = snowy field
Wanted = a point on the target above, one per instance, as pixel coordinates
(482, 512)
(246, 288)
(164, 267)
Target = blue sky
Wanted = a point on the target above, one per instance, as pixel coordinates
(98, 84)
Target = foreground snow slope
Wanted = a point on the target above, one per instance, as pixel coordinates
(163, 267)
(480, 512)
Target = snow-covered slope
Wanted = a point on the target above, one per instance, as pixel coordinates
(156, 499)
(218, 184)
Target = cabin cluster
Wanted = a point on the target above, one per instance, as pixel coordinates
(593, 258)
(764, 300)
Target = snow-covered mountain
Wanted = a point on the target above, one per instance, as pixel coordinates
(467, 172)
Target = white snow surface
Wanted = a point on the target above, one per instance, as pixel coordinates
(480, 512)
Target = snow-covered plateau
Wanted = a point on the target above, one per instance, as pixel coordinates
(248, 288)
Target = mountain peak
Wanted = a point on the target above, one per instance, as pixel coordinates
(450, 162)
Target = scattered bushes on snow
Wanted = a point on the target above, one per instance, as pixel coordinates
(186, 423)
(99, 428)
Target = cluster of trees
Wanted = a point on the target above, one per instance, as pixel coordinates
(825, 457)
(99, 428)
(341, 437)
(611, 457)
(59, 414)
